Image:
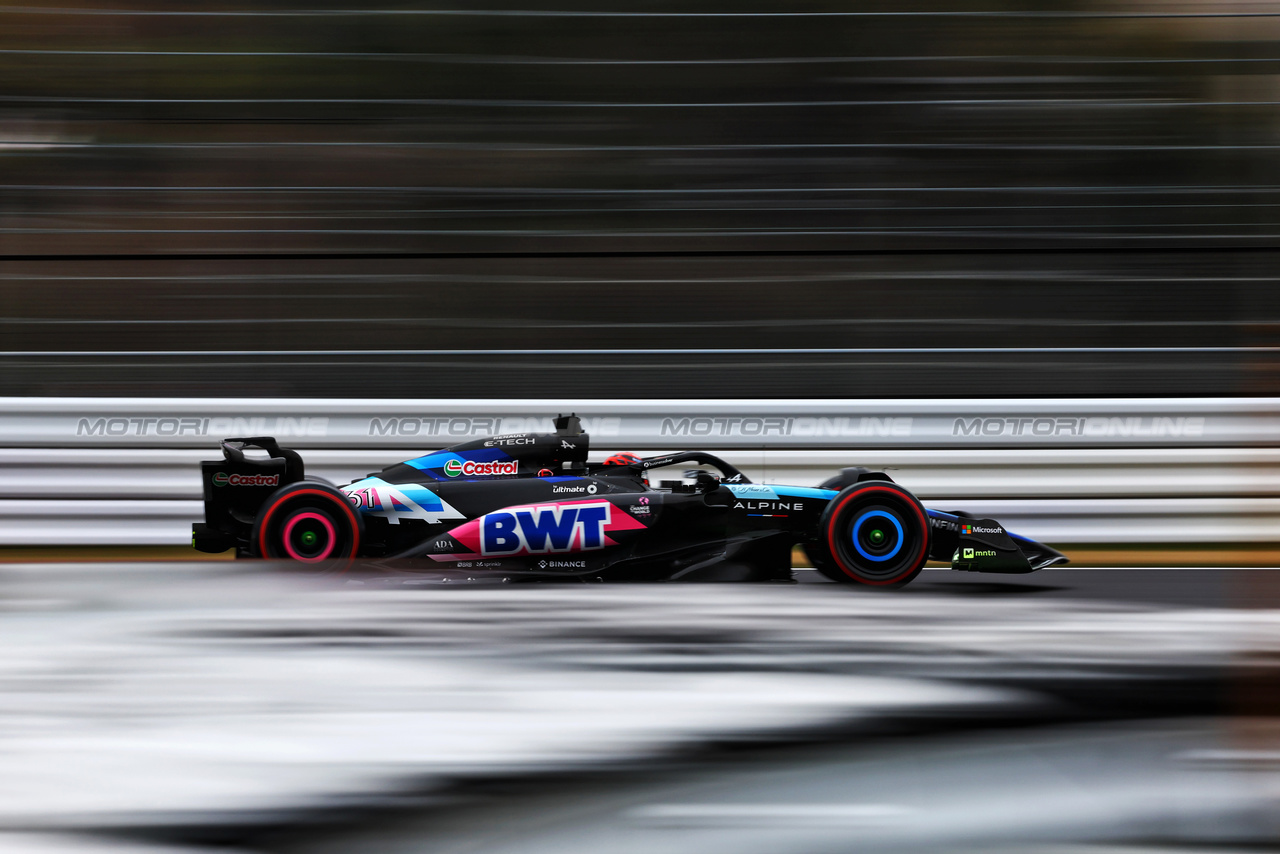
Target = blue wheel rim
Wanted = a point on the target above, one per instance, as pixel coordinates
(857, 526)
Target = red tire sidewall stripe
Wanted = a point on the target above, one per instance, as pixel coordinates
(328, 526)
(835, 515)
(264, 524)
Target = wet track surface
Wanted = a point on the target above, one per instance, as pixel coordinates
(179, 706)
(1209, 587)
(1212, 587)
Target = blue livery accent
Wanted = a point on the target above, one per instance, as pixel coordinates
(806, 492)
(435, 462)
(772, 492)
(752, 490)
(425, 498)
(857, 526)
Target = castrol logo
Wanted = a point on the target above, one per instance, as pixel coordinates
(453, 468)
(223, 479)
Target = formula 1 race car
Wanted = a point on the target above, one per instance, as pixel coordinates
(529, 504)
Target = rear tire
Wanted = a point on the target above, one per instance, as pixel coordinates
(308, 522)
(874, 533)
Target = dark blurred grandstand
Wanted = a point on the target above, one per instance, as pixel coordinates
(369, 201)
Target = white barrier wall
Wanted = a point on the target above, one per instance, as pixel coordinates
(789, 424)
(124, 471)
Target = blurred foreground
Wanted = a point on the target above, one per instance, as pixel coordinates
(185, 707)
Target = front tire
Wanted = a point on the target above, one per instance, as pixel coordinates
(874, 533)
(308, 522)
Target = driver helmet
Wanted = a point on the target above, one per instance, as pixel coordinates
(625, 458)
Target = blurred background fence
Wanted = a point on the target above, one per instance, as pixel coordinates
(1158, 472)
(658, 199)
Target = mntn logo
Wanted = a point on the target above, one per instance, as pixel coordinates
(550, 528)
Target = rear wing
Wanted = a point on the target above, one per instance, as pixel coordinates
(237, 485)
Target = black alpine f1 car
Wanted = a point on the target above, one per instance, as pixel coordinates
(530, 504)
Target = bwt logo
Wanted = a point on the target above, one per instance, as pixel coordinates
(551, 528)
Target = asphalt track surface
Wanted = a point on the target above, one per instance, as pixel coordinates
(1210, 587)
(240, 706)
